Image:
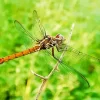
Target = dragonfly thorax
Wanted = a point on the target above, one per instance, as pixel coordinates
(49, 41)
(59, 39)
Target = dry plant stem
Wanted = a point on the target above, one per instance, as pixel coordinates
(40, 76)
(41, 88)
(60, 59)
(55, 67)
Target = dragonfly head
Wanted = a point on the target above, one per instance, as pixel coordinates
(60, 37)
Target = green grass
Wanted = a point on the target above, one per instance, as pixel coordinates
(16, 80)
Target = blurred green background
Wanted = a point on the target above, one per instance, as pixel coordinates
(57, 16)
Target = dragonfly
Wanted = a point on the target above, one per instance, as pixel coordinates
(47, 42)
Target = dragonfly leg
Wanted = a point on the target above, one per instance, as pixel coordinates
(55, 58)
(53, 51)
(54, 54)
(61, 48)
(58, 49)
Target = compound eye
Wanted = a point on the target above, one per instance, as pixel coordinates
(57, 36)
(60, 37)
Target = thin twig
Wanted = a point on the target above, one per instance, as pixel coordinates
(55, 67)
(67, 43)
(41, 88)
(40, 76)
(61, 57)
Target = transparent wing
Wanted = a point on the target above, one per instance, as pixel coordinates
(79, 63)
(22, 29)
(76, 54)
(38, 31)
(25, 36)
(76, 62)
(38, 28)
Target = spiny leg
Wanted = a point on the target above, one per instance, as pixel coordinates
(53, 52)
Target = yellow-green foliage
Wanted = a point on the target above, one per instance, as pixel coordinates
(57, 16)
